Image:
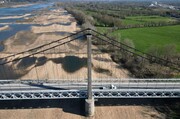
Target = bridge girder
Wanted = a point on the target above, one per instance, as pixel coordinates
(72, 94)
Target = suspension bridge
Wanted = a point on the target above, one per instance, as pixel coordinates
(81, 65)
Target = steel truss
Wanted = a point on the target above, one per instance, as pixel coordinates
(71, 94)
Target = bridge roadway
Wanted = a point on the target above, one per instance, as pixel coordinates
(13, 90)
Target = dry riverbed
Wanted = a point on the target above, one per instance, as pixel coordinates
(50, 26)
(54, 25)
(104, 112)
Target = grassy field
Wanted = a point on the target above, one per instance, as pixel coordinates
(144, 38)
(145, 19)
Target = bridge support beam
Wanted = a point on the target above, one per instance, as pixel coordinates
(89, 103)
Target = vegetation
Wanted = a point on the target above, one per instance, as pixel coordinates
(124, 15)
(154, 31)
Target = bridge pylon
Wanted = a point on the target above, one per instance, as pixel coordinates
(89, 102)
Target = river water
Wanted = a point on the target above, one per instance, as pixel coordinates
(17, 12)
(23, 10)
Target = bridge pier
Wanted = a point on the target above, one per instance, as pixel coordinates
(89, 107)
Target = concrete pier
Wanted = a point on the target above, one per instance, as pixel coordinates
(89, 107)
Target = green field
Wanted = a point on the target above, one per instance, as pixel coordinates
(146, 19)
(144, 38)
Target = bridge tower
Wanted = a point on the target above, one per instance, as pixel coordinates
(89, 102)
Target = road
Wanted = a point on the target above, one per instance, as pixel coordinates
(83, 86)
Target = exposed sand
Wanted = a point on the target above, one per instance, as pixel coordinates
(15, 17)
(71, 65)
(54, 16)
(30, 40)
(6, 27)
(104, 112)
(43, 34)
(21, 5)
(55, 28)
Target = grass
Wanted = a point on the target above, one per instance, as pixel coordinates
(146, 19)
(144, 38)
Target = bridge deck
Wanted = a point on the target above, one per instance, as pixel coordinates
(63, 89)
(97, 93)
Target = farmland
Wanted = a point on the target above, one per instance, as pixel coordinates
(146, 27)
(145, 38)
